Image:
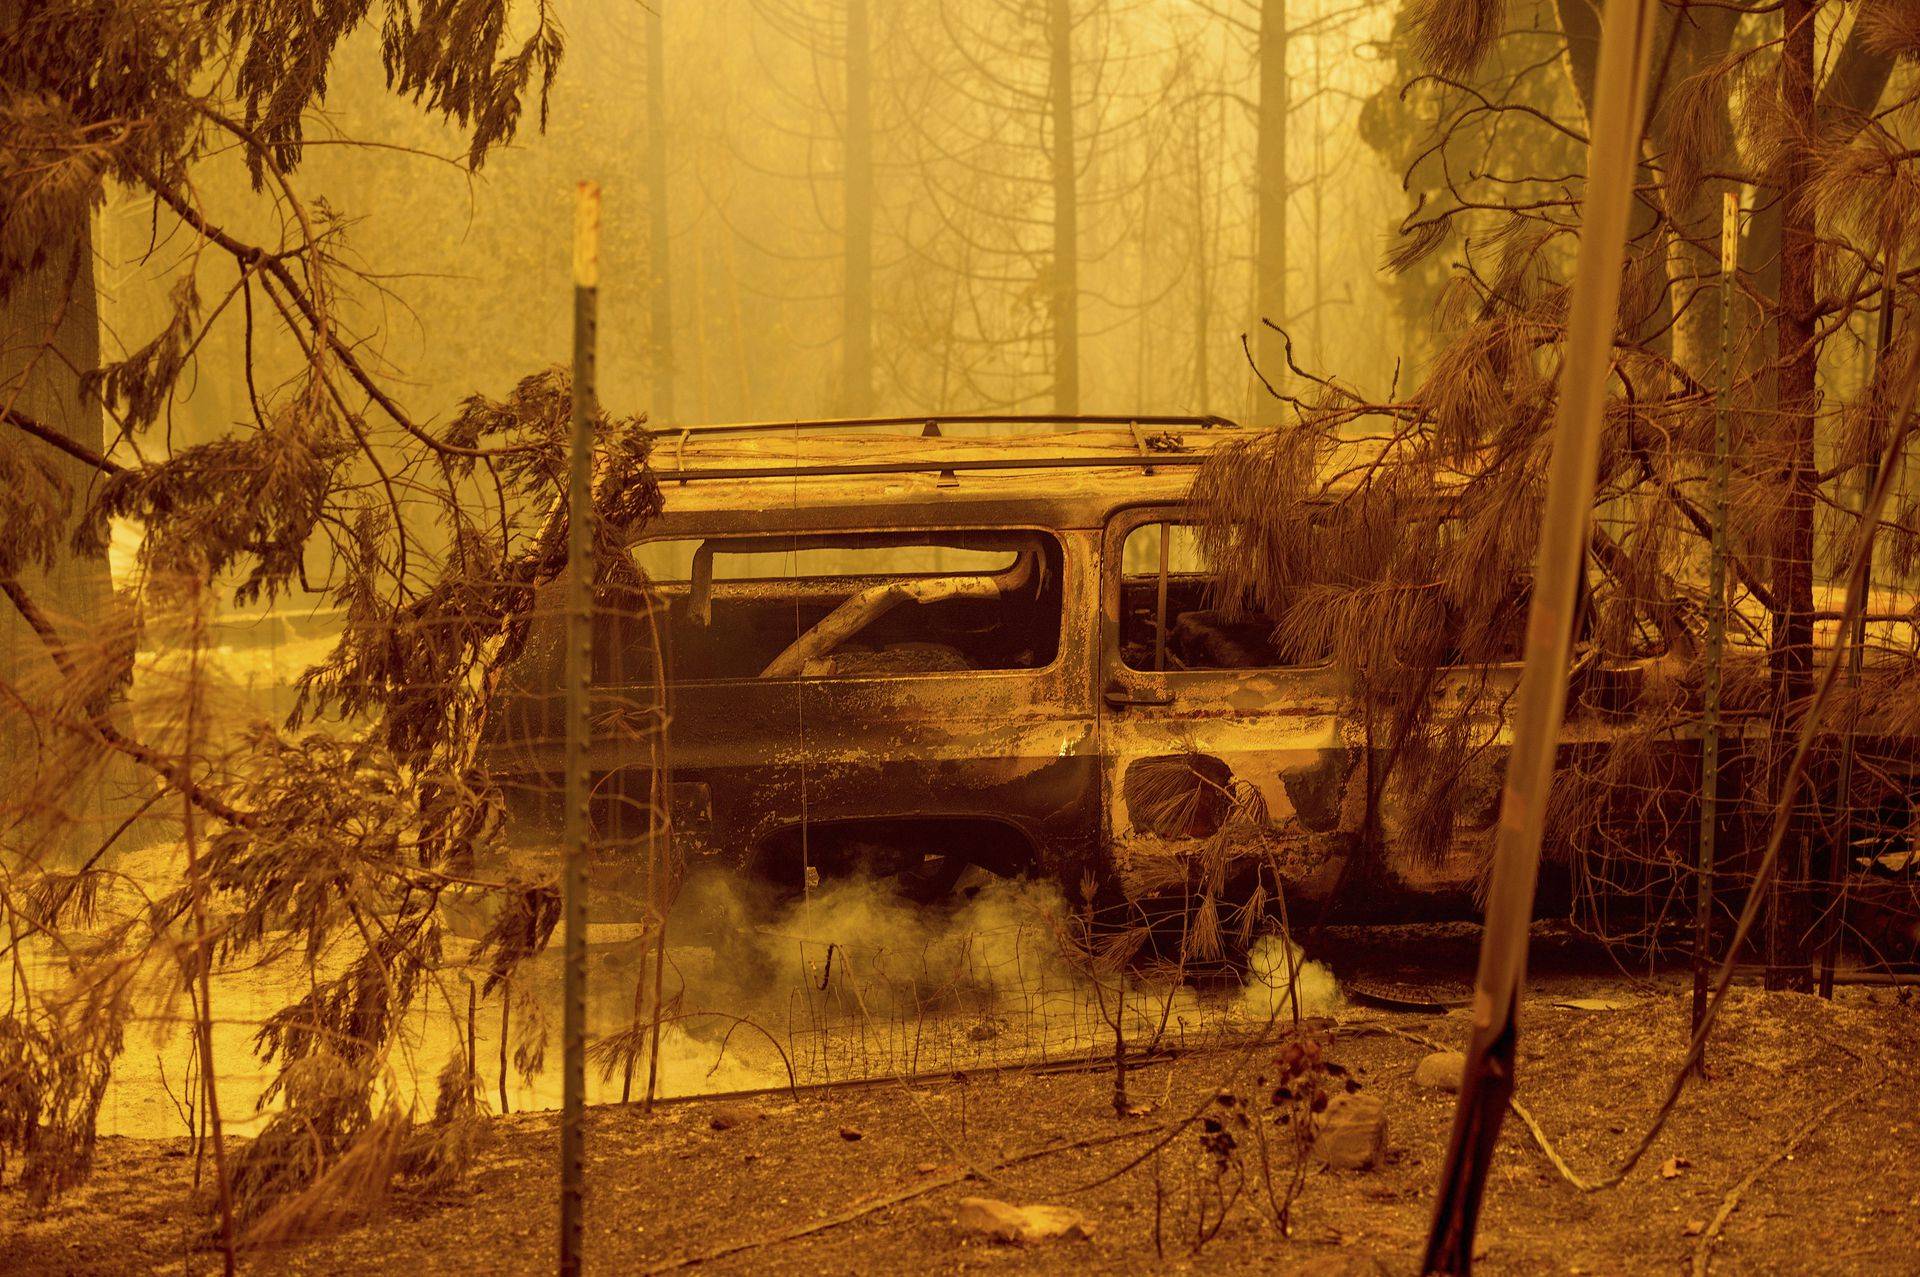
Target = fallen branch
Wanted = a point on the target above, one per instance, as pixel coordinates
(1702, 1249)
(1519, 1110)
(1559, 1163)
(1573, 1177)
(907, 1194)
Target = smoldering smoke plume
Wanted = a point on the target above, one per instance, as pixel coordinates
(1282, 980)
(749, 949)
(855, 979)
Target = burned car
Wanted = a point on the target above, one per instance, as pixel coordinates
(910, 651)
(911, 648)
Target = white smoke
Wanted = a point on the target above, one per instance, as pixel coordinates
(1004, 939)
(854, 979)
(1278, 973)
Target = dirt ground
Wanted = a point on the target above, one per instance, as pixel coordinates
(669, 1189)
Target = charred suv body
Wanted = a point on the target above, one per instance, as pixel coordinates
(910, 647)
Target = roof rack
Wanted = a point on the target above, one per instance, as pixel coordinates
(936, 420)
(946, 466)
(1145, 455)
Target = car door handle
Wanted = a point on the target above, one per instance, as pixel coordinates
(1125, 696)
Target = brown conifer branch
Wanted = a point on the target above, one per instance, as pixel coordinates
(53, 438)
(98, 726)
(259, 259)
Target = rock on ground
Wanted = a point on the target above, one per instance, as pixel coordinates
(724, 1117)
(1352, 1133)
(1440, 1071)
(1341, 1265)
(1006, 1222)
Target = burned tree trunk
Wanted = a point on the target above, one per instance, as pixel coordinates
(659, 282)
(1065, 293)
(1791, 656)
(1202, 276)
(1270, 269)
(857, 287)
(49, 339)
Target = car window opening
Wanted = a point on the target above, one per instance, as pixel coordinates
(1171, 620)
(1168, 620)
(850, 605)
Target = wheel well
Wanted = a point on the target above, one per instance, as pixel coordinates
(996, 845)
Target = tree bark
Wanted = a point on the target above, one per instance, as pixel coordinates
(1580, 25)
(1791, 656)
(857, 287)
(1690, 242)
(659, 280)
(1692, 43)
(1065, 293)
(1270, 270)
(1852, 90)
(49, 336)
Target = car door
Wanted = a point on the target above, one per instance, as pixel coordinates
(1224, 768)
(876, 685)
(1220, 757)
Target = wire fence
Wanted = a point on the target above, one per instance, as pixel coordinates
(834, 1005)
(831, 974)
(322, 915)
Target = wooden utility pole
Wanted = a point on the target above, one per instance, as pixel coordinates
(856, 292)
(1492, 1052)
(1065, 293)
(1789, 963)
(659, 279)
(586, 291)
(1270, 261)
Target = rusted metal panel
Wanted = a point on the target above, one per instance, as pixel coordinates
(1285, 743)
(1076, 498)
